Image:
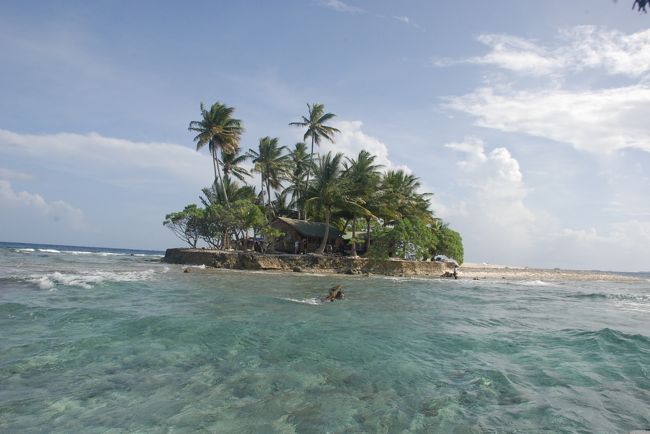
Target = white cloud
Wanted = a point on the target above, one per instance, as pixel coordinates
(404, 19)
(14, 174)
(340, 6)
(592, 120)
(32, 203)
(111, 158)
(493, 211)
(518, 54)
(353, 139)
(579, 48)
(620, 245)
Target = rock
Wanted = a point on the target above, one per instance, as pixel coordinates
(297, 269)
(187, 270)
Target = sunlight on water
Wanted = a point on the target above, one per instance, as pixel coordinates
(93, 343)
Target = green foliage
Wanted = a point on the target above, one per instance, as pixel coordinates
(219, 130)
(405, 239)
(231, 163)
(343, 191)
(270, 234)
(270, 163)
(450, 244)
(220, 222)
(316, 129)
(186, 224)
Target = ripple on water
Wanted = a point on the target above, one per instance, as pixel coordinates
(236, 352)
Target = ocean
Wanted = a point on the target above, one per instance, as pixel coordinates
(100, 340)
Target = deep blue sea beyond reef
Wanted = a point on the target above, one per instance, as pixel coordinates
(106, 340)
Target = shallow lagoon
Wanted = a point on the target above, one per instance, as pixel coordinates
(94, 342)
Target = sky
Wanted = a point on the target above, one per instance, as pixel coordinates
(528, 120)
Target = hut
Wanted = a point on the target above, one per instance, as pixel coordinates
(301, 236)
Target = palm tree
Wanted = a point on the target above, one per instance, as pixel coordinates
(363, 177)
(316, 130)
(234, 192)
(330, 190)
(231, 165)
(400, 198)
(299, 162)
(281, 204)
(269, 163)
(220, 131)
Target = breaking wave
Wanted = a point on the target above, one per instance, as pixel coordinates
(312, 301)
(86, 252)
(88, 280)
(534, 283)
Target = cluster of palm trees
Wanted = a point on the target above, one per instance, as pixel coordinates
(352, 193)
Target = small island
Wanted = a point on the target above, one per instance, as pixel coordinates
(315, 212)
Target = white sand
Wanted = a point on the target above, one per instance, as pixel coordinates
(493, 271)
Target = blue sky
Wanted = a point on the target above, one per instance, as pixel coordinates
(528, 120)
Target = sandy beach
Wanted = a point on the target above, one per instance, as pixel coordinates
(493, 271)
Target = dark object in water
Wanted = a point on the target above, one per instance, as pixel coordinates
(335, 293)
(453, 274)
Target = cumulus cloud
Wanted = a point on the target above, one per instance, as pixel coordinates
(492, 211)
(57, 211)
(578, 49)
(353, 139)
(111, 157)
(593, 120)
(496, 216)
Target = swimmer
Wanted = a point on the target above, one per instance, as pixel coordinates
(335, 293)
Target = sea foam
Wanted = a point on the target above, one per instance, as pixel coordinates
(534, 283)
(312, 301)
(88, 280)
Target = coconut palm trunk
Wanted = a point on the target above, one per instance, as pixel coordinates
(354, 236)
(311, 162)
(214, 164)
(367, 234)
(223, 186)
(323, 243)
(268, 193)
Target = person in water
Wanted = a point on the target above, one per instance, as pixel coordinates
(335, 293)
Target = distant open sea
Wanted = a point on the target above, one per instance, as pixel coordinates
(97, 340)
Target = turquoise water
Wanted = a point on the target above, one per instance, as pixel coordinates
(96, 340)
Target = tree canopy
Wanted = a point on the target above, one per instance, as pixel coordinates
(347, 192)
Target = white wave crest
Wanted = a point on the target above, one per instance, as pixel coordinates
(24, 250)
(312, 301)
(534, 283)
(200, 267)
(45, 283)
(49, 250)
(90, 279)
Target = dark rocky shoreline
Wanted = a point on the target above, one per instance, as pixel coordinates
(303, 263)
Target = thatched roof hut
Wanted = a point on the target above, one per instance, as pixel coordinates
(308, 234)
